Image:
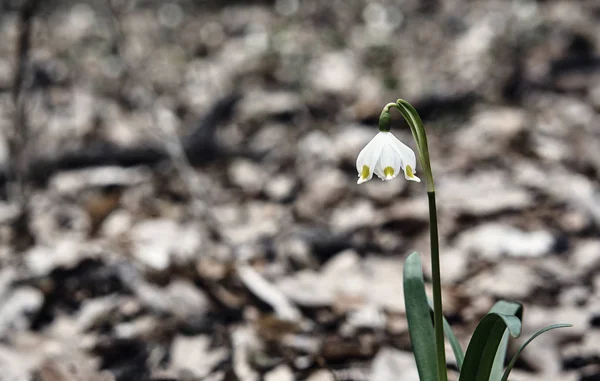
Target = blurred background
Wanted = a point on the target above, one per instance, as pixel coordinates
(178, 184)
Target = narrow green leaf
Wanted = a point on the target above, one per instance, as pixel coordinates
(516, 356)
(500, 358)
(507, 308)
(420, 327)
(459, 354)
(484, 343)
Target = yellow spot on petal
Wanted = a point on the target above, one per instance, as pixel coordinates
(365, 172)
(388, 171)
(409, 171)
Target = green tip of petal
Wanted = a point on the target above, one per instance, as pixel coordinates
(410, 174)
(388, 172)
(364, 174)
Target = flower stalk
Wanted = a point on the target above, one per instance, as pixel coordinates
(437, 290)
(418, 131)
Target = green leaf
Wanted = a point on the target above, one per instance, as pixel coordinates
(484, 344)
(459, 354)
(516, 356)
(420, 327)
(507, 308)
(500, 358)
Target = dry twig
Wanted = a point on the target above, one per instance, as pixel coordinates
(19, 140)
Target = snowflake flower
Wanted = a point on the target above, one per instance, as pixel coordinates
(386, 156)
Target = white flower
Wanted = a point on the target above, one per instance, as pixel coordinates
(386, 156)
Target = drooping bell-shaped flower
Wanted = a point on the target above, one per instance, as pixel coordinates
(386, 156)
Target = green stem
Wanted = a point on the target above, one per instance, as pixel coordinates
(438, 317)
(418, 130)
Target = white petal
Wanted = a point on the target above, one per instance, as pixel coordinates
(408, 158)
(368, 157)
(407, 154)
(389, 164)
